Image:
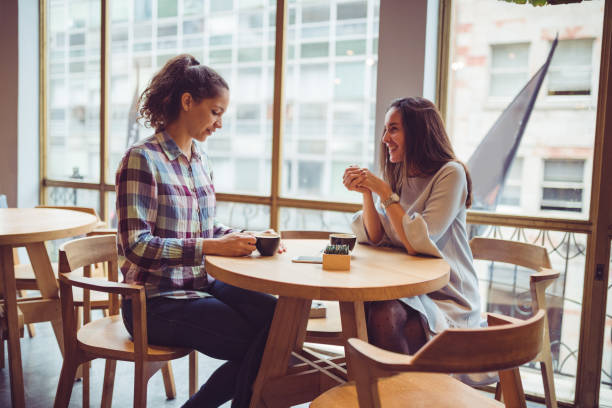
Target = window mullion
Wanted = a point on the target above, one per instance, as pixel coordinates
(277, 110)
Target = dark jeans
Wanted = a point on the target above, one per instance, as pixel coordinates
(231, 325)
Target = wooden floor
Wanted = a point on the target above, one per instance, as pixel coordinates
(42, 361)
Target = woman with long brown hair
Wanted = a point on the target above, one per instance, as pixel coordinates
(420, 205)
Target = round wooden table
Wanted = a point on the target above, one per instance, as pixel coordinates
(31, 227)
(375, 274)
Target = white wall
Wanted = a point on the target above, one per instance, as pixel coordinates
(28, 141)
(19, 161)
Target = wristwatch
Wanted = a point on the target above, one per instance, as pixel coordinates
(393, 198)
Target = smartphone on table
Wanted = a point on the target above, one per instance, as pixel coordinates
(308, 259)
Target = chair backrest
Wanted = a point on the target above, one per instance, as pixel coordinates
(482, 350)
(86, 253)
(518, 253)
(83, 252)
(306, 234)
(529, 256)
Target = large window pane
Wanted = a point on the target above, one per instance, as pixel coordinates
(496, 47)
(314, 220)
(250, 217)
(73, 101)
(234, 38)
(330, 96)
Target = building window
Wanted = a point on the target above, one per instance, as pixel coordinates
(511, 193)
(571, 68)
(509, 69)
(563, 185)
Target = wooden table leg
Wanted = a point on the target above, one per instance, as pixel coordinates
(352, 315)
(9, 289)
(290, 317)
(47, 284)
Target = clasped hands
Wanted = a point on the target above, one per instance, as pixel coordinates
(362, 180)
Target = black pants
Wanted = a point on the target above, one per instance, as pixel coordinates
(231, 325)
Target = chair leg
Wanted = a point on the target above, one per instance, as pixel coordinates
(169, 380)
(86, 366)
(109, 383)
(66, 381)
(512, 388)
(78, 319)
(498, 392)
(549, 383)
(141, 378)
(30, 326)
(193, 372)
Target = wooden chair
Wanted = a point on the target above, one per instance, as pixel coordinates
(107, 337)
(327, 330)
(504, 345)
(536, 258)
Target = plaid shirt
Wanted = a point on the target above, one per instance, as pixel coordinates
(165, 206)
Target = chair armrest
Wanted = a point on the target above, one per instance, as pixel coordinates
(544, 274)
(378, 358)
(100, 285)
(496, 319)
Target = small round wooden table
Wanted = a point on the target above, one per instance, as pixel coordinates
(375, 274)
(31, 227)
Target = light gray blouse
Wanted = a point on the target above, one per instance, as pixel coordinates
(434, 224)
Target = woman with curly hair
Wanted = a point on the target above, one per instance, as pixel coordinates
(166, 212)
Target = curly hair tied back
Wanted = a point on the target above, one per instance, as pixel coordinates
(160, 103)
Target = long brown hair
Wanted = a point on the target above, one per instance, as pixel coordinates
(426, 145)
(161, 101)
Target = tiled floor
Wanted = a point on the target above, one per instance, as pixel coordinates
(41, 361)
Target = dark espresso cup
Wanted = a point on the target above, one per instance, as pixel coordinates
(267, 243)
(343, 239)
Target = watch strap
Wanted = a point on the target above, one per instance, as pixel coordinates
(393, 198)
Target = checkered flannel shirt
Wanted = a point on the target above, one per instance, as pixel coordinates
(165, 207)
